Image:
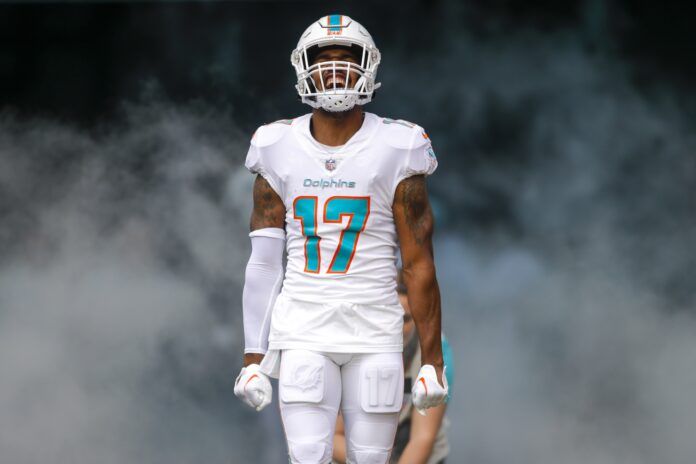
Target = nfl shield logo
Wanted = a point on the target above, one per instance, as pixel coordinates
(330, 164)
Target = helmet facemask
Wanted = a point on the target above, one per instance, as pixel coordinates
(337, 96)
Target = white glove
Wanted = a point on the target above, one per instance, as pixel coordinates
(253, 387)
(427, 392)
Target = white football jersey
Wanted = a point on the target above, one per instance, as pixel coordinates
(339, 292)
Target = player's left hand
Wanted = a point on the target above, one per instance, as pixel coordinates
(253, 387)
(427, 391)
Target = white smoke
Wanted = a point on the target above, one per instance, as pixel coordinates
(122, 261)
(571, 312)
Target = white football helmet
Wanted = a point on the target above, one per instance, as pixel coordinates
(337, 96)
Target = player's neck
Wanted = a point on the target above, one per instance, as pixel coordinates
(335, 129)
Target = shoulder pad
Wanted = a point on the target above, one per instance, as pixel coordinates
(269, 134)
(400, 134)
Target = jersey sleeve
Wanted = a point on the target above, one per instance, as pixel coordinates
(257, 163)
(420, 158)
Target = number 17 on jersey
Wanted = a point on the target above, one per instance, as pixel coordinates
(356, 209)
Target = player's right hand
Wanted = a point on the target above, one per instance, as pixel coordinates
(253, 387)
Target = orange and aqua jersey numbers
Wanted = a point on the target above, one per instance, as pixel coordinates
(357, 209)
(306, 212)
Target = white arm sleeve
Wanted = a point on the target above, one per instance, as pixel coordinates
(262, 281)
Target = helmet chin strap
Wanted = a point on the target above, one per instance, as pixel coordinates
(337, 103)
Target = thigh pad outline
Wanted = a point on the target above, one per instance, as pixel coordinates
(381, 387)
(302, 379)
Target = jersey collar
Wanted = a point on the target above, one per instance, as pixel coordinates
(351, 146)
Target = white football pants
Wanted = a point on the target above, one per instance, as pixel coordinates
(368, 387)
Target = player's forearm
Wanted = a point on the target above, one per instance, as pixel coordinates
(339, 448)
(416, 452)
(424, 299)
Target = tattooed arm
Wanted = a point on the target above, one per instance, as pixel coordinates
(268, 212)
(414, 226)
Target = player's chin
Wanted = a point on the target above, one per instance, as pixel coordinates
(335, 113)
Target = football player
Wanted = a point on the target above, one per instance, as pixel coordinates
(339, 190)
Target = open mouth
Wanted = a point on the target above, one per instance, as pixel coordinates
(331, 80)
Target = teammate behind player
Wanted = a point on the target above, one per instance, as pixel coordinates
(419, 438)
(344, 187)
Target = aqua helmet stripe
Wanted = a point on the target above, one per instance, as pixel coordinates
(335, 20)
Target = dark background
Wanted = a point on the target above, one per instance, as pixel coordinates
(79, 60)
(565, 203)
